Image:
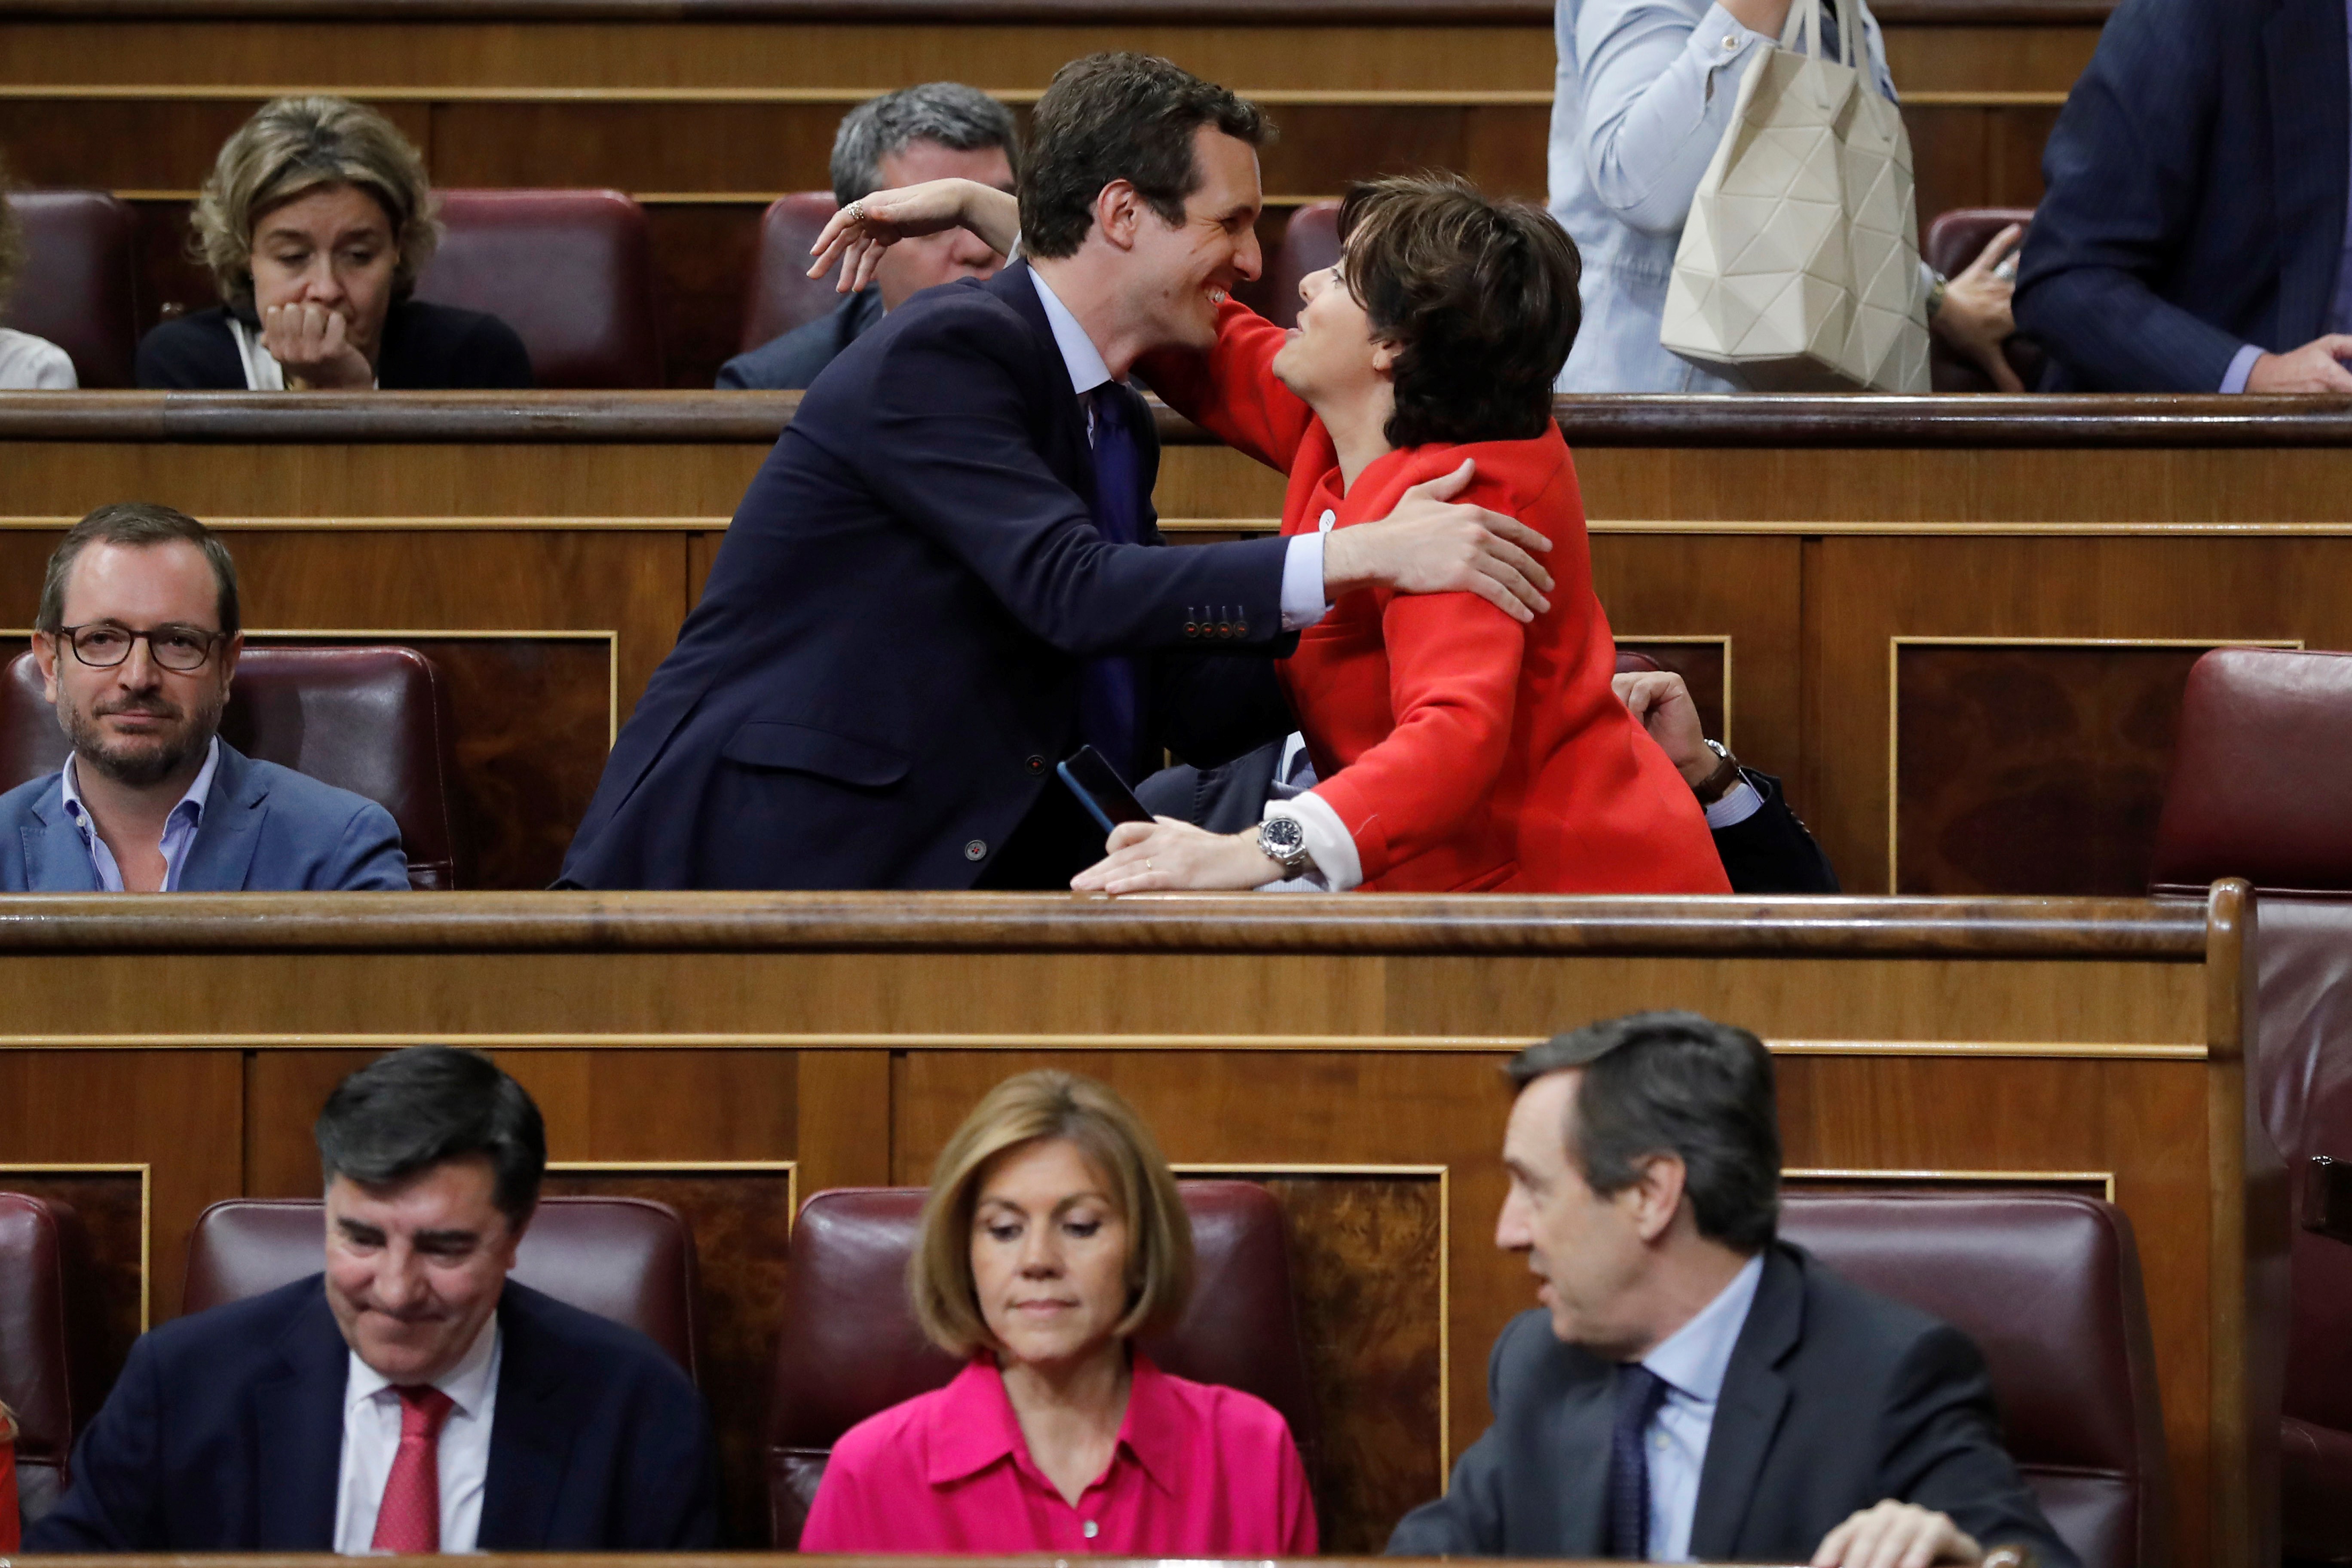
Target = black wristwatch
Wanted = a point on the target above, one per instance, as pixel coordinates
(1281, 840)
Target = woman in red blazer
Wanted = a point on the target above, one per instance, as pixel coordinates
(1456, 748)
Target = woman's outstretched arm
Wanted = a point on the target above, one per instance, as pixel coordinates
(859, 233)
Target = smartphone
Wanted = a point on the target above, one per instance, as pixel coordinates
(1100, 790)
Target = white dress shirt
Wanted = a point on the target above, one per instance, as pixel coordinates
(372, 1436)
(28, 363)
(1692, 1361)
(1303, 603)
(179, 828)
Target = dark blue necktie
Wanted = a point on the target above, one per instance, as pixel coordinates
(1107, 686)
(1638, 1392)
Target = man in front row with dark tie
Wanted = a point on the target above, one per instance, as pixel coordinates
(412, 1398)
(1693, 1389)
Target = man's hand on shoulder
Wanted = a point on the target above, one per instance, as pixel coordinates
(1898, 1535)
(2317, 367)
(1432, 543)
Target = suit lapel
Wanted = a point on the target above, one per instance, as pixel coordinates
(530, 1435)
(56, 859)
(1066, 448)
(1747, 1412)
(2311, 153)
(231, 829)
(299, 1435)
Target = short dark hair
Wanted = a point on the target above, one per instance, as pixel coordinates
(1480, 295)
(137, 524)
(1120, 116)
(959, 118)
(414, 1109)
(1673, 1083)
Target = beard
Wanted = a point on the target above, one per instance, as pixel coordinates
(146, 761)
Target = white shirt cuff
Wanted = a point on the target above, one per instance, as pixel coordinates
(1329, 843)
(1739, 802)
(1303, 603)
(2242, 366)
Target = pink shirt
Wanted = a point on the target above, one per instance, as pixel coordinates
(1198, 1472)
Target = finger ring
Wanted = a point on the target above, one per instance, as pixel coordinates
(1147, 864)
(858, 212)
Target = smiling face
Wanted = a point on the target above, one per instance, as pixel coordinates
(1178, 274)
(1333, 355)
(331, 247)
(415, 1268)
(140, 724)
(1587, 1248)
(1049, 1252)
(926, 261)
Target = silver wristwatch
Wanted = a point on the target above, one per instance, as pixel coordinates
(1281, 840)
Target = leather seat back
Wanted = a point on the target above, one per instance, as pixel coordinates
(2048, 1286)
(1310, 242)
(626, 1259)
(1953, 240)
(2257, 788)
(79, 286)
(571, 271)
(374, 720)
(848, 1347)
(48, 1342)
(779, 295)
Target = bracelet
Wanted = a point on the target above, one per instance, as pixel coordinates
(1935, 292)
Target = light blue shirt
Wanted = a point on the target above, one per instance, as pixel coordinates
(1303, 603)
(179, 828)
(1692, 1361)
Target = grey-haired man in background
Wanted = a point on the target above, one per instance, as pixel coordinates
(935, 131)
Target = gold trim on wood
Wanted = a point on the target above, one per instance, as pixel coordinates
(1894, 647)
(2098, 1050)
(339, 524)
(1444, 1178)
(2107, 1179)
(791, 1168)
(844, 97)
(146, 1174)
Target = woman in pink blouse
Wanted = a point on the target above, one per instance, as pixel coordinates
(1052, 1236)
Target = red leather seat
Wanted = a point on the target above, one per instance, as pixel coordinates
(1310, 242)
(2259, 787)
(48, 1350)
(780, 294)
(2048, 1285)
(374, 720)
(78, 287)
(848, 1346)
(571, 271)
(627, 1260)
(1955, 239)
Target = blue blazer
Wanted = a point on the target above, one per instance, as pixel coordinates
(885, 665)
(226, 1434)
(2197, 186)
(266, 829)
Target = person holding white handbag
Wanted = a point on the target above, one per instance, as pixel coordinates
(1645, 92)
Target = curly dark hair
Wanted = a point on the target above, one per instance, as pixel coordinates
(1120, 116)
(1480, 296)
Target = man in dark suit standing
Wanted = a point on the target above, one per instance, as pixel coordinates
(1693, 1389)
(946, 576)
(413, 1399)
(2194, 235)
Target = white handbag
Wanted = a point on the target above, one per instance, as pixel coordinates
(1798, 267)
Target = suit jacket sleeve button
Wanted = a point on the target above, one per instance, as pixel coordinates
(975, 849)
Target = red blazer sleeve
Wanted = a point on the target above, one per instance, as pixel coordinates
(1231, 391)
(1454, 676)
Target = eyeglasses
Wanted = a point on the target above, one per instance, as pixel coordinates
(105, 645)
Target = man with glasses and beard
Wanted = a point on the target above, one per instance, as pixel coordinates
(137, 638)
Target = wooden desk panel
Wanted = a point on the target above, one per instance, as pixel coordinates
(1344, 1050)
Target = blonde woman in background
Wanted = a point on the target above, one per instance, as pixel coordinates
(315, 223)
(1052, 1236)
(27, 364)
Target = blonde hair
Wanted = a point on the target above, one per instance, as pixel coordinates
(291, 147)
(12, 261)
(1114, 1140)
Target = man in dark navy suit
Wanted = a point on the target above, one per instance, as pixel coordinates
(944, 580)
(2194, 236)
(412, 1398)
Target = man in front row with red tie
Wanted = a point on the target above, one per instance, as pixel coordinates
(412, 1398)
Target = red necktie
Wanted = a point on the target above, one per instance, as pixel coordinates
(408, 1521)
